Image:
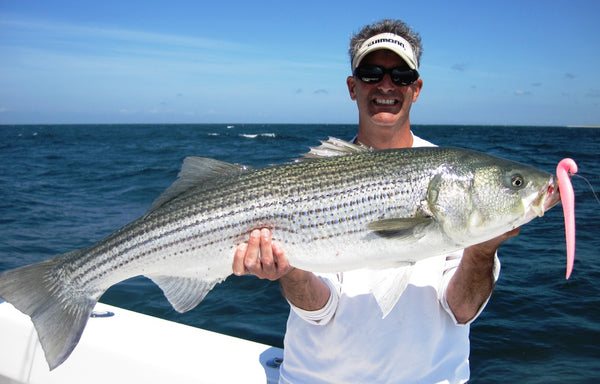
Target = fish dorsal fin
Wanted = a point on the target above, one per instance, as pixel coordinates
(194, 172)
(184, 293)
(335, 147)
(399, 228)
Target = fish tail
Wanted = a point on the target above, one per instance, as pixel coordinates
(59, 314)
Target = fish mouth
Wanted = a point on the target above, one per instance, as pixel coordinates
(548, 196)
(551, 196)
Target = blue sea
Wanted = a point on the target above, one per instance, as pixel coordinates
(66, 187)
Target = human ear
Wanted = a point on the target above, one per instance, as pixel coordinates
(417, 86)
(351, 83)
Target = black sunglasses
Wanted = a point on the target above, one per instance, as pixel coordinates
(373, 74)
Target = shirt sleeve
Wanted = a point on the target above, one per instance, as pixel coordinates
(452, 261)
(324, 315)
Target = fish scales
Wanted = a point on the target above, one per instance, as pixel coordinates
(289, 188)
(373, 209)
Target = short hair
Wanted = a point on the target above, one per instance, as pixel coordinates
(397, 27)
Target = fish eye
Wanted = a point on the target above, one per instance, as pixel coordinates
(517, 181)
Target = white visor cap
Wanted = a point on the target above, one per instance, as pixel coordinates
(389, 41)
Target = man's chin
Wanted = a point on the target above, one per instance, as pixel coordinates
(385, 118)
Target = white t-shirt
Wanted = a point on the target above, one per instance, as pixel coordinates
(348, 341)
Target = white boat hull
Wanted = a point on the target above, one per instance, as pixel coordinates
(130, 347)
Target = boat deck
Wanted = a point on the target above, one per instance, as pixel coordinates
(121, 346)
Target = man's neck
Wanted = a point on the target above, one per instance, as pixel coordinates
(380, 138)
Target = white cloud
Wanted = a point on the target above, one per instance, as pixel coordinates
(77, 32)
(520, 92)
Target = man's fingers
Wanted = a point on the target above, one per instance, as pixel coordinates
(252, 258)
(238, 259)
(260, 256)
(279, 256)
(266, 252)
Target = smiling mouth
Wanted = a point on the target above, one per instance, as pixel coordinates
(385, 101)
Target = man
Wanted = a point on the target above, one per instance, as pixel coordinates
(336, 332)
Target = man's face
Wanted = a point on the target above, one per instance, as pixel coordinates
(384, 103)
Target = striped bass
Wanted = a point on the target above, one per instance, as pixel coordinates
(344, 208)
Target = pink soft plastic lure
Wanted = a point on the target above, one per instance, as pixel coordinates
(564, 170)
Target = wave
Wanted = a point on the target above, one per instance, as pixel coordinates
(255, 135)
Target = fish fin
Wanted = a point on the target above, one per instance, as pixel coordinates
(399, 228)
(59, 316)
(334, 147)
(194, 172)
(388, 286)
(184, 293)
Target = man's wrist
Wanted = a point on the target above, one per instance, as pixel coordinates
(304, 289)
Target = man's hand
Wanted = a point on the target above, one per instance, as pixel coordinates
(261, 257)
(489, 248)
(266, 259)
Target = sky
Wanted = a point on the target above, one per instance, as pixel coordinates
(523, 62)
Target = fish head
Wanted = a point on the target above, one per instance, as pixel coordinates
(484, 196)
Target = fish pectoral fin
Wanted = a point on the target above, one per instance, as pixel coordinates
(184, 293)
(388, 285)
(195, 171)
(399, 228)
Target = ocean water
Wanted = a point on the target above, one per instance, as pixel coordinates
(66, 187)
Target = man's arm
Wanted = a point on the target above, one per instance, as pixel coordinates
(266, 259)
(473, 281)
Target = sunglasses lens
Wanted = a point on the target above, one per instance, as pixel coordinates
(403, 76)
(374, 74)
(370, 75)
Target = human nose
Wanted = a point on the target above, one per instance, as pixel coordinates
(386, 83)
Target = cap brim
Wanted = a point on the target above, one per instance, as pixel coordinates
(391, 42)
